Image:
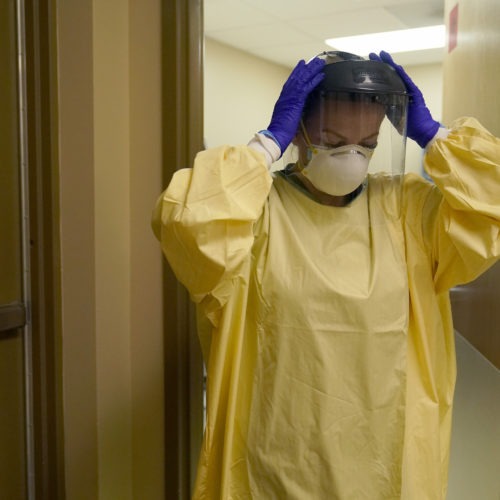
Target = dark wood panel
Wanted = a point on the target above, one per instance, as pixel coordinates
(476, 313)
(12, 316)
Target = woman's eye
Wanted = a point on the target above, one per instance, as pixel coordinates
(370, 146)
(332, 145)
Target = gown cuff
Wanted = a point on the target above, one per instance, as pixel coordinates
(442, 133)
(265, 145)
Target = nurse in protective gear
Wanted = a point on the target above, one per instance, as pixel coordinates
(322, 289)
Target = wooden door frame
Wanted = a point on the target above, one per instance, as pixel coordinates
(182, 82)
(45, 307)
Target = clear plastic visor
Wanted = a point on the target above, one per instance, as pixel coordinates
(376, 123)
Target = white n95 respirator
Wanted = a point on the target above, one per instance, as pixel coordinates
(337, 171)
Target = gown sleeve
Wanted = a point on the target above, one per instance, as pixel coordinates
(461, 218)
(204, 221)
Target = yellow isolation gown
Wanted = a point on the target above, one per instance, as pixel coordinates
(327, 331)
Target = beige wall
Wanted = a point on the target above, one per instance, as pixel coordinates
(240, 92)
(110, 175)
(76, 178)
(429, 79)
(145, 272)
(112, 246)
(471, 70)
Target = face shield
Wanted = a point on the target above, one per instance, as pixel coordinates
(353, 129)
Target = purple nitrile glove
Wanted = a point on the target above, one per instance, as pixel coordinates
(288, 108)
(421, 127)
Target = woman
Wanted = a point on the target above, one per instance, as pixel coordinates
(323, 292)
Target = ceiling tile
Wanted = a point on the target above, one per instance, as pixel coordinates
(261, 36)
(226, 14)
(299, 9)
(349, 23)
(417, 14)
(284, 31)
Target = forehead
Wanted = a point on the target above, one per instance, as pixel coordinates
(351, 119)
(343, 107)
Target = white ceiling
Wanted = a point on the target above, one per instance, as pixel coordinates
(285, 31)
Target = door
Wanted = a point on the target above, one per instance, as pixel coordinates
(15, 459)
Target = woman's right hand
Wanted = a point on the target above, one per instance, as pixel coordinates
(288, 108)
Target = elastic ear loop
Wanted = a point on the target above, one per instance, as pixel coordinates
(306, 137)
(309, 144)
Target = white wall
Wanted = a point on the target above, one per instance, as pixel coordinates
(240, 92)
(475, 439)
